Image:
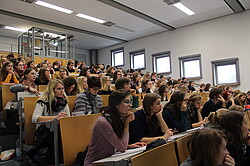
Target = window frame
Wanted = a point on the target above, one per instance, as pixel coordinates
(161, 55)
(224, 62)
(135, 53)
(117, 50)
(184, 59)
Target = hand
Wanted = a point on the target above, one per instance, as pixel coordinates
(139, 108)
(129, 117)
(136, 145)
(205, 120)
(158, 114)
(11, 72)
(229, 161)
(33, 90)
(184, 106)
(61, 115)
(167, 134)
(221, 99)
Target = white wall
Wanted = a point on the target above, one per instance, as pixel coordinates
(221, 38)
(8, 44)
(82, 55)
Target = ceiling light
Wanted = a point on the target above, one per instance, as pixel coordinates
(184, 9)
(90, 18)
(51, 6)
(15, 29)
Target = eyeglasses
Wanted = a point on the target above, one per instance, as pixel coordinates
(119, 74)
(96, 89)
(127, 102)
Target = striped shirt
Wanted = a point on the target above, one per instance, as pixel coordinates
(86, 104)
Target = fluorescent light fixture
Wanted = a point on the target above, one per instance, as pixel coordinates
(183, 8)
(53, 35)
(63, 52)
(15, 29)
(51, 6)
(90, 18)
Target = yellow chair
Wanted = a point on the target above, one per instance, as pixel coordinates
(182, 151)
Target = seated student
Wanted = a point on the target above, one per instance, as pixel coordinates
(248, 98)
(70, 86)
(70, 66)
(191, 86)
(147, 86)
(136, 82)
(7, 74)
(240, 99)
(81, 84)
(124, 83)
(163, 91)
(149, 125)
(89, 102)
(158, 84)
(228, 97)
(207, 147)
(117, 74)
(201, 88)
(29, 80)
(31, 64)
(19, 69)
(215, 102)
(85, 72)
(235, 127)
(105, 86)
(111, 130)
(43, 77)
(194, 110)
(175, 113)
(64, 73)
(214, 118)
(53, 104)
(207, 87)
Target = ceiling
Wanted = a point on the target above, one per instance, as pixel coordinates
(133, 18)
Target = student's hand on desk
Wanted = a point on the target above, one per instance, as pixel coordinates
(139, 108)
(167, 134)
(229, 161)
(61, 115)
(136, 145)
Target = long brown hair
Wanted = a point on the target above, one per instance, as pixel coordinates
(4, 73)
(152, 120)
(199, 143)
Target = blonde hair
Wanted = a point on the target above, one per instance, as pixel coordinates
(80, 83)
(104, 85)
(215, 117)
(49, 95)
(236, 108)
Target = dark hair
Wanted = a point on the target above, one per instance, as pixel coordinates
(28, 64)
(152, 120)
(190, 82)
(94, 82)
(115, 75)
(42, 77)
(176, 97)
(115, 99)
(70, 62)
(225, 94)
(207, 87)
(231, 122)
(199, 143)
(120, 82)
(27, 71)
(162, 90)
(3, 72)
(83, 72)
(215, 92)
(11, 55)
(68, 82)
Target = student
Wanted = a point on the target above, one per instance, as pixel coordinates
(43, 77)
(64, 73)
(85, 72)
(214, 118)
(215, 102)
(235, 126)
(228, 97)
(191, 86)
(175, 113)
(29, 80)
(7, 74)
(149, 124)
(117, 74)
(19, 69)
(105, 86)
(53, 104)
(240, 99)
(70, 66)
(207, 147)
(70, 86)
(81, 84)
(31, 64)
(194, 110)
(111, 130)
(163, 91)
(89, 102)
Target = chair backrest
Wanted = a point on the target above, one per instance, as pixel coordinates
(71, 103)
(7, 95)
(29, 127)
(205, 96)
(105, 100)
(160, 156)
(182, 151)
(76, 134)
(42, 88)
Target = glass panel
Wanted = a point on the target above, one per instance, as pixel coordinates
(226, 74)
(118, 58)
(139, 61)
(192, 69)
(163, 65)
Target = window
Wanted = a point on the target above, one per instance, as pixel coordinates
(226, 71)
(117, 57)
(138, 59)
(162, 63)
(190, 66)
